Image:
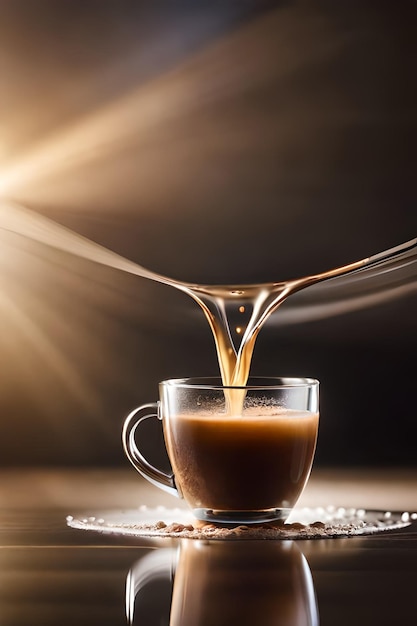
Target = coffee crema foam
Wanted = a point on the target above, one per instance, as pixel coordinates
(253, 412)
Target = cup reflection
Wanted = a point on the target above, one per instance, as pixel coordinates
(224, 582)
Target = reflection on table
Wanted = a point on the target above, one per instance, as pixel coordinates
(202, 583)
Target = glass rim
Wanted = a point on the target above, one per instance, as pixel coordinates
(253, 383)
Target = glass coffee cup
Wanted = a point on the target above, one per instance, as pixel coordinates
(239, 455)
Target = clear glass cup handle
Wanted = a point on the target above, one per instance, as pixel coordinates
(156, 476)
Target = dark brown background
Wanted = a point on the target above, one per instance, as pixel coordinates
(248, 142)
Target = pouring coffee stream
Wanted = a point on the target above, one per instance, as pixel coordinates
(220, 302)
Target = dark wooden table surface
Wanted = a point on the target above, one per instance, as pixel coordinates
(53, 574)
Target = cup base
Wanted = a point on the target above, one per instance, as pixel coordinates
(237, 518)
